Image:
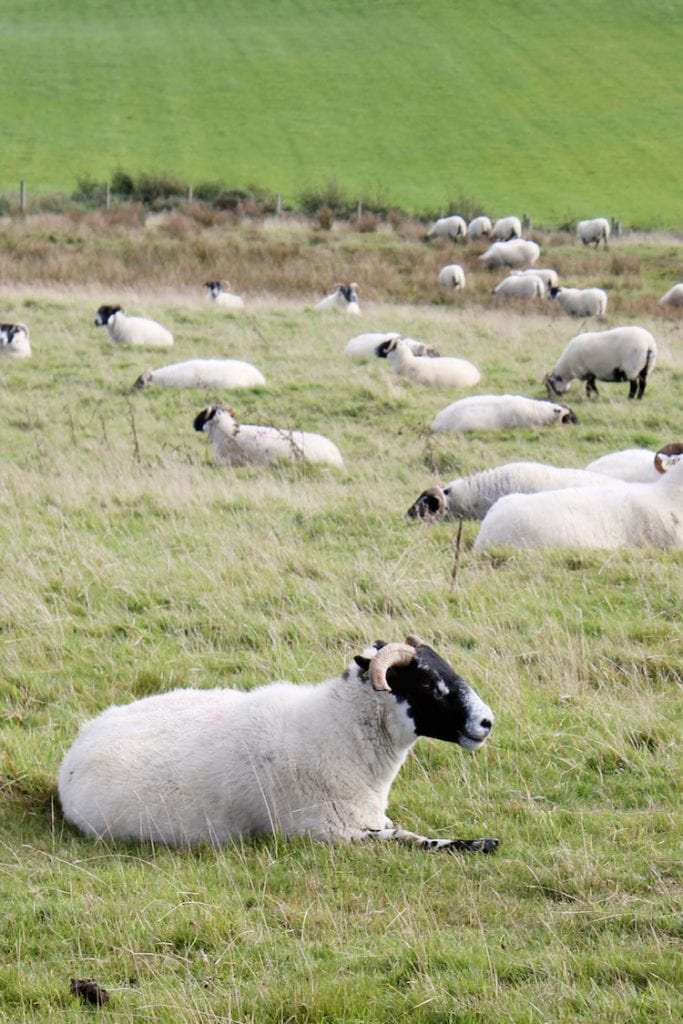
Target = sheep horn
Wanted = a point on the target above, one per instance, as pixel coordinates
(414, 640)
(668, 456)
(387, 657)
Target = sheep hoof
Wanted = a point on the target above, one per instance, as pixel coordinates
(474, 845)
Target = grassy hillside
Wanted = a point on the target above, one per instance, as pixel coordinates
(559, 110)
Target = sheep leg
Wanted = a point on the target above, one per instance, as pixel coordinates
(590, 386)
(642, 381)
(401, 835)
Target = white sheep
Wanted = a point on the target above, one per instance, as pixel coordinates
(620, 354)
(448, 227)
(436, 372)
(479, 227)
(506, 228)
(580, 301)
(674, 297)
(217, 295)
(518, 252)
(239, 444)
(343, 297)
(497, 412)
(204, 373)
(375, 344)
(15, 341)
(470, 497)
(132, 330)
(592, 232)
(633, 465)
(212, 766)
(629, 515)
(452, 276)
(520, 286)
(549, 276)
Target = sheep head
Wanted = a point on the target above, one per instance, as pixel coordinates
(430, 506)
(668, 456)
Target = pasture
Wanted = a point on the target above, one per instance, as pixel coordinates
(133, 564)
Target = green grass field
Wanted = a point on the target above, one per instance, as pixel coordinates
(132, 564)
(558, 110)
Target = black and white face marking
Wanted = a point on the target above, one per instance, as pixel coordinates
(204, 418)
(441, 704)
(567, 415)
(213, 286)
(104, 315)
(428, 506)
(349, 292)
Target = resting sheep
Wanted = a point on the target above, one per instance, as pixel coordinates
(519, 252)
(633, 465)
(497, 412)
(452, 276)
(520, 286)
(435, 372)
(239, 444)
(199, 766)
(470, 497)
(632, 515)
(15, 341)
(132, 330)
(375, 344)
(592, 232)
(479, 227)
(343, 298)
(622, 353)
(204, 373)
(506, 228)
(448, 227)
(580, 301)
(218, 296)
(674, 297)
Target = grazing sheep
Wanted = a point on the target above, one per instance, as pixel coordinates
(343, 298)
(497, 412)
(632, 515)
(470, 497)
(448, 227)
(479, 227)
(580, 301)
(592, 232)
(15, 341)
(518, 252)
(547, 275)
(217, 295)
(204, 373)
(674, 297)
(239, 444)
(435, 372)
(622, 353)
(198, 766)
(132, 330)
(520, 286)
(506, 228)
(452, 276)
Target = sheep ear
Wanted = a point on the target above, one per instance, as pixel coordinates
(363, 660)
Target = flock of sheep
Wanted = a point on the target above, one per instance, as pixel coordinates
(194, 766)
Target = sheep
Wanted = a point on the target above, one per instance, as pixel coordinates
(204, 373)
(194, 766)
(15, 341)
(132, 330)
(344, 297)
(623, 515)
(218, 296)
(580, 301)
(448, 227)
(238, 444)
(436, 372)
(452, 276)
(497, 412)
(479, 227)
(622, 353)
(367, 346)
(547, 275)
(520, 286)
(674, 296)
(506, 228)
(470, 497)
(518, 252)
(593, 231)
(633, 465)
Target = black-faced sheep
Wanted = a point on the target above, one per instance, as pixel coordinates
(14, 341)
(497, 412)
(217, 295)
(239, 444)
(620, 354)
(580, 301)
(592, 232)
(343, 298)
(132, 330)
(204, 373)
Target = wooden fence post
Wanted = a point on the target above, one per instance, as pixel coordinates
(278, 205)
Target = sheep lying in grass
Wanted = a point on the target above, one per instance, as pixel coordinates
(448, 227)
(674, 297)
(132, 330)
(479, 227)
(470, 497)
(343, 298)
(631, 515)
(592, 232)
(506, 228)
(518, 252)
(634, 465)
(436, 372)
(14, 341)
(520, 286)
(239, 444)
(218, 296)
(620, 354)
(375, 345)
(452, 276)
(204, 373)
(497, 412)
(580, 301)
(210, 766)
